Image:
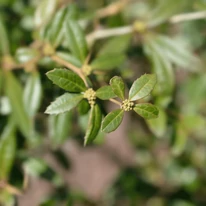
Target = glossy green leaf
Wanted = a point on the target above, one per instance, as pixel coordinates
(75, 39)
(83, 107)
(64, 103)
(158, 126)
(32, 94)
(118, 86)
(93, 125)
(142, 87)
(70, 58)
(67, 80)
(14, 91)
(105, 93)
(44, 12)
(146, 110)
(59, 127)
(180, 140)
(115, 45)
(112, 120)
(108, 61)
(7, 150)
(25, 54)
(55, 32)
(4, 42)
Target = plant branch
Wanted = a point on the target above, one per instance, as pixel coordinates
(70, 66)
(100, 34)
(188, 17)
(115, 101)
(111, 9)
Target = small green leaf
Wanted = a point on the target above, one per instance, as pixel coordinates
(59, 127)
(93, 125)
(142, 87)
(146, 110)
(44, 12)
(112, 120)
(70, 58)
(14, 91)
(67, 80)
(64, 103)
(7, 150)
(108, 61)
(105, 93)
(4, 45)
(83, 107)
(75, 39)
(32, 94)
(118, 86)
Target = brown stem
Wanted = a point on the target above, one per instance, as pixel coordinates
(115, 101)
(70, 66)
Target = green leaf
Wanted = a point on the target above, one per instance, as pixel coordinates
(146, 110)
(64, 103)
(67, 80)
(179, 140)
(44, 12)
(112, 120)
(25, 54)
(160, 66)
(164, 10)
(176, 51)
(75, 39)
(118, 86)
(116, 45)
(93, 125)
(59, 127)
(32, 94)
(83, 107)
(107, 61)
(142, 87)
(14, 91)
(70, 58)
(105, 93)
(158, 126)
(55, 32)
(7, 150)
(4, 45)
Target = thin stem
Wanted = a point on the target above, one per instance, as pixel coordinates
(11, 189)
(70, 66)
(100, 34)
(115, 101)
(111, 9)
(188, 17)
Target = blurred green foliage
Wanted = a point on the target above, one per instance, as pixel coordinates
(104, 39)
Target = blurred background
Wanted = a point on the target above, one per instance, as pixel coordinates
(159, 162)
